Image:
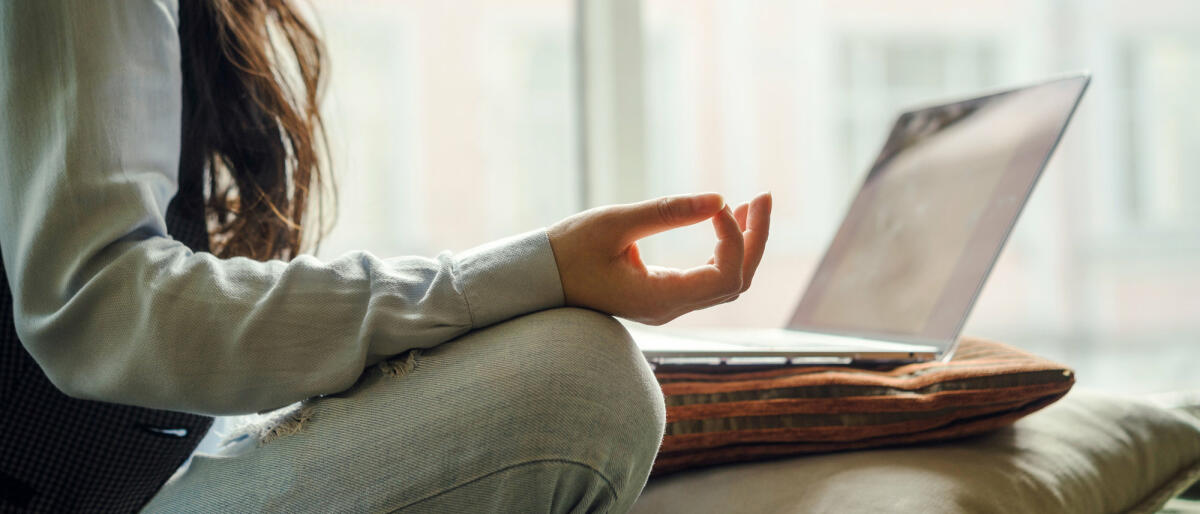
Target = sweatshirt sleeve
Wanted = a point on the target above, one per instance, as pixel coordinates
(113, 309)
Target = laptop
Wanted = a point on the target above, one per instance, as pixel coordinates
(899, 279)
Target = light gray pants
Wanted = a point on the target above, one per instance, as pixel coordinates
(556, 411)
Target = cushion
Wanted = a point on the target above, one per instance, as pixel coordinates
(1088, 453)
(719, 414)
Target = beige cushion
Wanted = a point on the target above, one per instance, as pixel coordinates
(1087, 453)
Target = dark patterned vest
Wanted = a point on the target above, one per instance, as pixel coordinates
(60, 454)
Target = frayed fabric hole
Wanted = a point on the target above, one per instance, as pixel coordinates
(264, 428)
(292, 423)
(269, 426)
(401, 365)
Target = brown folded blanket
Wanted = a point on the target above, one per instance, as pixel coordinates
(716, 416)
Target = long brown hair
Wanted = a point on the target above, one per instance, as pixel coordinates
(253, 140)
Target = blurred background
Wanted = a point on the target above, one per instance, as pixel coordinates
(456, 123)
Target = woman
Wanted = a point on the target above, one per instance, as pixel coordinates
(158, 162)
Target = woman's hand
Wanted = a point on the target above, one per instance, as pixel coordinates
(601, 268)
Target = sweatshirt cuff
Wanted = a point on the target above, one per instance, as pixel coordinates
(509, 277)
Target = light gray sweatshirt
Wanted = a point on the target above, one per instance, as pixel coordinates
(113, 309)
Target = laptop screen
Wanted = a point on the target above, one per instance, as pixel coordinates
(933, 213)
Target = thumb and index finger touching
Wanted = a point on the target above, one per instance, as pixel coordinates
(643, 219)
(723, 276)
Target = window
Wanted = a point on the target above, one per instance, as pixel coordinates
(449, 130)
(1160, 129)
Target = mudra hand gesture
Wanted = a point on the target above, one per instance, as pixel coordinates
(602, 269)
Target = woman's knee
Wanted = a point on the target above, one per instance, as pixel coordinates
(608, 404)
(591, 354)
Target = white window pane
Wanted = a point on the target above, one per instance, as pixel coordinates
(451, 124)
(1163, 132)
